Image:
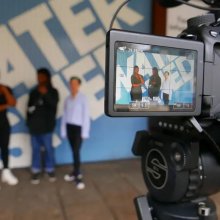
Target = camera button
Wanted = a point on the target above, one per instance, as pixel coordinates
(213, 33)
(175, 127)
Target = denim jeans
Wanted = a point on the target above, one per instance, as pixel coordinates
(39, 142)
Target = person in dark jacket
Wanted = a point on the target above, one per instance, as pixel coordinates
(154, 84)
(41, 120)
(7, 100)
(137, 81)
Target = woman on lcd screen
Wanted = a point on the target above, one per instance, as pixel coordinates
(137, 81)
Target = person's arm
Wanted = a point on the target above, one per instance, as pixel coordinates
(134, 84)
(32, 102)
(10, 99)
(162, 85)
(159, 82)
(86, 120)
(141, 79)
(171, 88)
(3, 107)
(150, 81)
(31, 98)
(63, 132)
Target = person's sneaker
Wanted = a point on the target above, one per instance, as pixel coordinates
(52, 177)
(80, 184)
(35, 179)
(71, 177)
(8, 177)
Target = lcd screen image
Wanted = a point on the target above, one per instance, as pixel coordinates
(154, 78)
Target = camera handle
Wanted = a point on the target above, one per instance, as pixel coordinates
(198, 127)
(196, 124)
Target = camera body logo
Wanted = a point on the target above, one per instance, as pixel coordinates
(157, 169)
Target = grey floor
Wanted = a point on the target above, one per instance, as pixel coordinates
(110, 189)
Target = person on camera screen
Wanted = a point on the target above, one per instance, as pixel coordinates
(137, 81)
(166, 88)
(154, 84)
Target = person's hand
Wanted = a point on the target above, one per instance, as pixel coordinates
(1, 86)
(3, 89)
(10, 100)
(42, 89)
(153, 83)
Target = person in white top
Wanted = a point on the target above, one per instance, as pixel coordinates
(75, 126)
(166, 88)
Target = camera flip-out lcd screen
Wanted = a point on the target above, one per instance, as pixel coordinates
(156, 78)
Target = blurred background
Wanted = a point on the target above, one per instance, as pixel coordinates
(68, 38)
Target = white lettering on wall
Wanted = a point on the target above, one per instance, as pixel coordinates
(63, 92)
(33, 22)
(21, 105)
(12, 55)
(22, 141)
(74, 25)
(106, 10)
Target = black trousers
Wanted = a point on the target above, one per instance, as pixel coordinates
(153, 92)
(166, 98)
(75, 140)
(4, 142)
(136, 94)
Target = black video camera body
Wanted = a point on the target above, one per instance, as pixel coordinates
(149, 75)
(207, 30)
(177, 78)
(187, 78)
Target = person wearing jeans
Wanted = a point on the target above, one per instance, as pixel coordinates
(46, 141)
(75, 125)
(41, 120)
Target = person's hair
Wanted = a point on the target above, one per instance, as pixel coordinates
(45, 72)
(76, 78)
(156, 69)
(167, 72)
(135, 67)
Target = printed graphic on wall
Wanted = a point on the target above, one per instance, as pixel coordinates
(68, 37)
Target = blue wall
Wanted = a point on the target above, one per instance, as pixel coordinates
(68, 37)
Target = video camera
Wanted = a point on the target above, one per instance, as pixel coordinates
(181, 59)
(177, 80)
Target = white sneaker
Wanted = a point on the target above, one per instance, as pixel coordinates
(71, 177)
(80, 185)
(8, 177)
